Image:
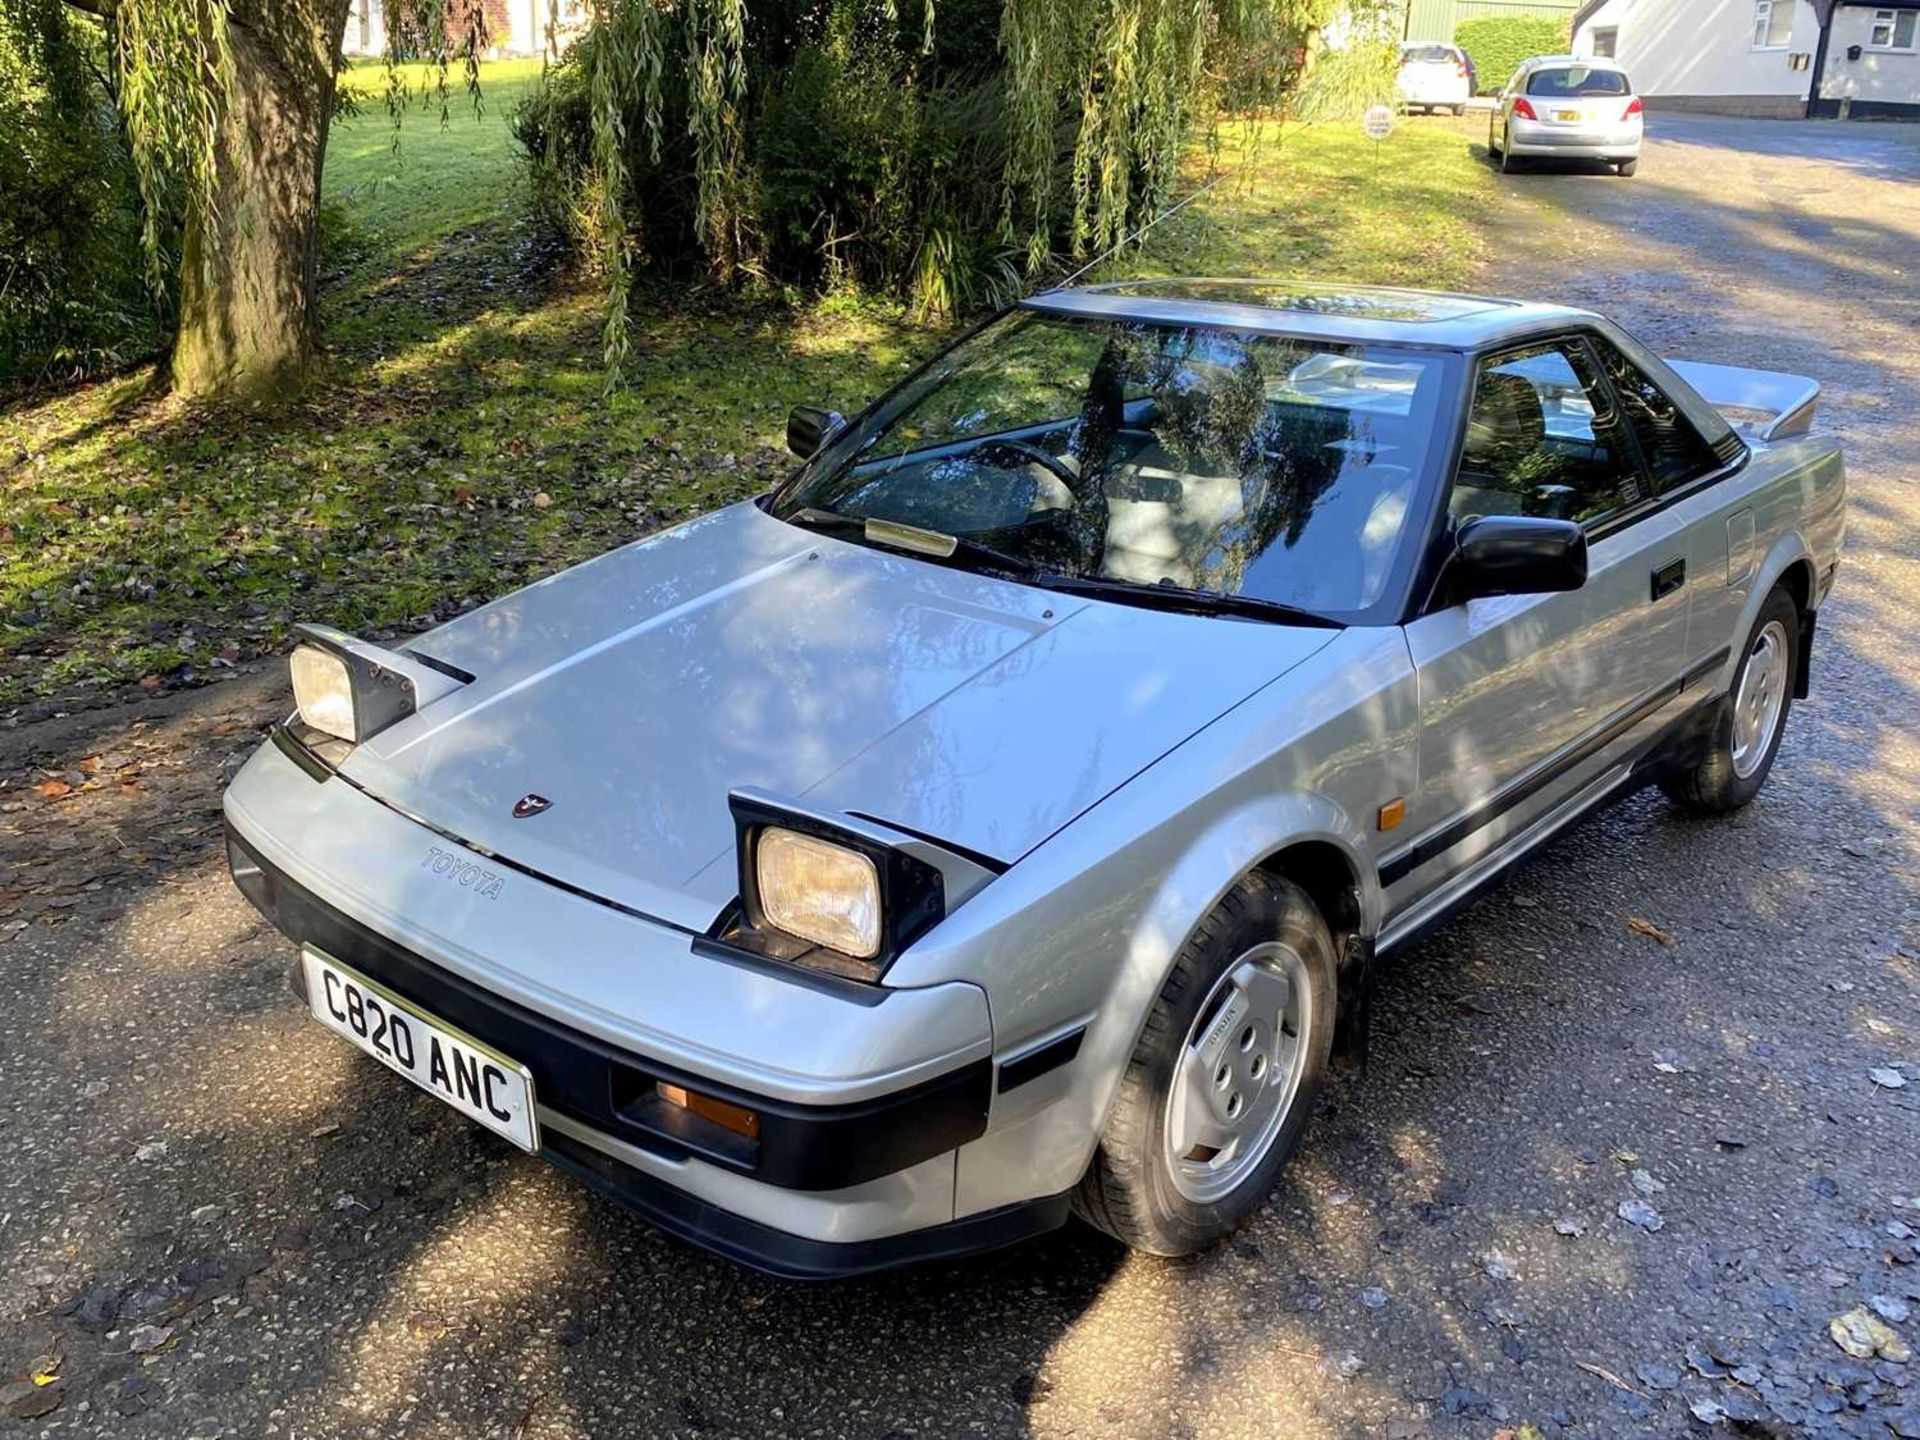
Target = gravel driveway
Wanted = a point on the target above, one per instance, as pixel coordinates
(217, 1220)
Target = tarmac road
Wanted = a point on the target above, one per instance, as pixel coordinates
(216, 1219)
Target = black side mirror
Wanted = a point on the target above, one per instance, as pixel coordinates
(809, 428)
(1516, 555)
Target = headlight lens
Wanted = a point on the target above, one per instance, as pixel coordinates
(819, 891)
(323, 689)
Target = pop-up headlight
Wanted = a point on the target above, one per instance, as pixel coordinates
(819, 891)
(834, 892)
(352, 690)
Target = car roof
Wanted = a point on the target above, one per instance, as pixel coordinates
(1586, 62)
(1306, 310)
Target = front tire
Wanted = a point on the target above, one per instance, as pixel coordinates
(1746, 737)
(1224, 1078)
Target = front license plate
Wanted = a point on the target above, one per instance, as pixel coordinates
(474, 1078)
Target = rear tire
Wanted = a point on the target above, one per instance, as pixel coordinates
(1506, 153)
(1746, 737)
(1234, 1050)
(1627, 167)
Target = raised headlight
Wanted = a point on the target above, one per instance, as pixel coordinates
(819, 891)
(352, 690)
(834, 892)
(323, 692)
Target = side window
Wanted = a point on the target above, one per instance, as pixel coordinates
(1543, 439)
(1674, 451)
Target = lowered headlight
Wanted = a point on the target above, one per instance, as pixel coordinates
(818, 891)
(351, 690)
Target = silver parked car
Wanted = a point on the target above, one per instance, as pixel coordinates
(1568, 107)
(1007, 814)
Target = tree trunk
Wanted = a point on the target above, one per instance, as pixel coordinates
(248, 323)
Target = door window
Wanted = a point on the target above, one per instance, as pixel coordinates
(1674, 451)
(1544, 438)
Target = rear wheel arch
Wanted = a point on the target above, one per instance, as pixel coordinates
(1797, 581)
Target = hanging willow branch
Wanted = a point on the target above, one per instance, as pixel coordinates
(1096, 102)
(175, 70)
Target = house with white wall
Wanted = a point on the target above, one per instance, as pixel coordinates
(1781, 58)
(514, 27)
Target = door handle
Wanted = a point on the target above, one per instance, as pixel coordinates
(1669, 577)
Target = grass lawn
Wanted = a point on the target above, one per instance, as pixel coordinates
(458, 442)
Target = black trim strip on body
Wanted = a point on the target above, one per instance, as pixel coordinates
(986, 862)
(1403, 862)
(452, 672)
(1647, 760)
(1047, 1056)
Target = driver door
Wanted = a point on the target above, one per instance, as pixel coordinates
(1526, 700)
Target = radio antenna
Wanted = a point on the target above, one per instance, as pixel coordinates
(1126, 240)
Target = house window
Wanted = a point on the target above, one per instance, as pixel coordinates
(1606, 41)
(1772, 24)
(1892, 29)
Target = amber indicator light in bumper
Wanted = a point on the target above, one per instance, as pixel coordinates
(1393, 812)
(736, 1118)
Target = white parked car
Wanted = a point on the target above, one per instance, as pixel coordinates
(1568, 107)
(1434, 76)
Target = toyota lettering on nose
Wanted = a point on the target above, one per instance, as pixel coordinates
(462, 872)
(530, 805)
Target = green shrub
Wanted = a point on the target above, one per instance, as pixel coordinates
(72, 296)
(1497, 46)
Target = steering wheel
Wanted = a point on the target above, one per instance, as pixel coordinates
(1031, 454)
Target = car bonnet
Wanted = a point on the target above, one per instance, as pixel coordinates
(631, 694)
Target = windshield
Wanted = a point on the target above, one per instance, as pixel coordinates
(1264, 467)
(1577, 80)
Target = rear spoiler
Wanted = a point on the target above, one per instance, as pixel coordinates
(1760, 404)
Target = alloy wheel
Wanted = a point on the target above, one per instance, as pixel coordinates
(1239, 1072)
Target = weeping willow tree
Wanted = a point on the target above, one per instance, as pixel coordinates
(225, 106)
(1077, 113)
(1041, 129)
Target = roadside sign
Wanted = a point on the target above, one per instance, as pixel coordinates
(1378, 122)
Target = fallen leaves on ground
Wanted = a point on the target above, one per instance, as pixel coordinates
(1649, 929)
(1863, 1335)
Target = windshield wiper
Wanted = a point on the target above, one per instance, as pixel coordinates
(1179, 599)
(914, 540)
(939, 545)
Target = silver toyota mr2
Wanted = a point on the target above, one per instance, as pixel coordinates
(1006, 815)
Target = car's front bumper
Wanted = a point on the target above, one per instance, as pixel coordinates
(855, 1162)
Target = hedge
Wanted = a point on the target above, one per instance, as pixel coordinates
(1499, 45)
